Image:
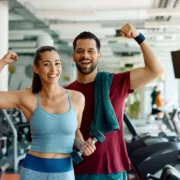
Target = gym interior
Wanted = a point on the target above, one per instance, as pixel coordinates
(152, 136)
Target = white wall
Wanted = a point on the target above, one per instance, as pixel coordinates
(4, 15)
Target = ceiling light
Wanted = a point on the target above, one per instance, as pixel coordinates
(160, 24)
(163, 12)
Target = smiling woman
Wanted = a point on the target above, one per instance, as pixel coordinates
(54, 115)
(44, 68)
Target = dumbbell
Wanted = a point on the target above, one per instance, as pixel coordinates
(77, 156)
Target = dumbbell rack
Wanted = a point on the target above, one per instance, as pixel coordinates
(14, 160)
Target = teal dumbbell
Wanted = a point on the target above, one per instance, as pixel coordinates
(77, 156)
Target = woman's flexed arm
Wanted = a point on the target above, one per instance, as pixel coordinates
(8, 99)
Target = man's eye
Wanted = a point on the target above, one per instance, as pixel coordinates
(79, 52)
(46, 64)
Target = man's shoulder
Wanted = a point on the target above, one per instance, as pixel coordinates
(121, 75)
(71, 85)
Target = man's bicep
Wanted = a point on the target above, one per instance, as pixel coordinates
(139, 77)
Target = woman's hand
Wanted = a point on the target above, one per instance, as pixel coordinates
(88, 147)
(10, 57)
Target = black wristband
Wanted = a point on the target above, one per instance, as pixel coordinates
(139, 39)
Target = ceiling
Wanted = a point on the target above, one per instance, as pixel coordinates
(158, 20)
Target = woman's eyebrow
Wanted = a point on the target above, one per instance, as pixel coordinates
(50, 61)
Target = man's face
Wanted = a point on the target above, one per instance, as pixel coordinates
(86, 55)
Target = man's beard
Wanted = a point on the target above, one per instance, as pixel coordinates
(86, 71)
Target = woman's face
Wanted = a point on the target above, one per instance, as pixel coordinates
(49, 67)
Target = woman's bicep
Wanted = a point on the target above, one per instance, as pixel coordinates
(9, 99)
(81, 109)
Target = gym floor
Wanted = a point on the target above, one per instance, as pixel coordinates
(10, 177)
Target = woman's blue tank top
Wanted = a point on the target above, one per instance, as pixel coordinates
(53, 133)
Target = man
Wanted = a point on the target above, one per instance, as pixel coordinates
(110, 160)
(153, 105)
(153, 97)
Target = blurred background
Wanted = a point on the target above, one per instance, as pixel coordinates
(26, 25)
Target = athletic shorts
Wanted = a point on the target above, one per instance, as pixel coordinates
(35, 168)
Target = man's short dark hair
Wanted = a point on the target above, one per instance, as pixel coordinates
(87, 35)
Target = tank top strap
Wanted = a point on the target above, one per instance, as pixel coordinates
(38, 98)
(69, 98)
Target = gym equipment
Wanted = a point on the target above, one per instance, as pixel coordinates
(173, 125)
(148, 152)
(98, 137)
(3, 169)
(174, 122)
(169, 119)
(168, 173)
(156, 163)
(140, 141)
(4, 126)
(3, 146)
(16, 146)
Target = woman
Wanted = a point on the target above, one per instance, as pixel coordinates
(54, 115)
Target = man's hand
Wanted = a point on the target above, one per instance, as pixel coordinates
(10, 57)
(129, 31)
(88, 147)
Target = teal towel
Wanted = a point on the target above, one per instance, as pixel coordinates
(105, 119)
